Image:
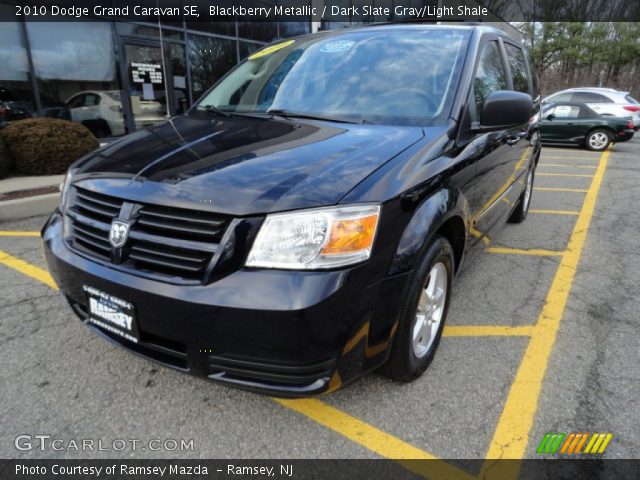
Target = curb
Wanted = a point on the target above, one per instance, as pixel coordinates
(28, 207)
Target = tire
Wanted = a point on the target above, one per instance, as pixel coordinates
(598, 139)
(408, 358)
(521, 210)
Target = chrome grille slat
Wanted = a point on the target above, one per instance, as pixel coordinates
(164, 263)
(177, 227)
(95, 204)
(96, 210)
(173, 242)
(94, 244)
(98, 198)
(85, 198)
(78, 217)
(213, 223)
(173, 255)
(78, 228)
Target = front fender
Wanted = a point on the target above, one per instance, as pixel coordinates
(427, 219)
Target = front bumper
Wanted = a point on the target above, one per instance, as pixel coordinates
(283, 333)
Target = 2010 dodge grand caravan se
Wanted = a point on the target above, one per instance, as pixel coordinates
(301, 225)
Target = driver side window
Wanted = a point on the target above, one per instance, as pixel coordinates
(566, 111)
(490, 75)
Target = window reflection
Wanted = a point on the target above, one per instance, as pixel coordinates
(75, 63)
(210, 58)
(16, 97)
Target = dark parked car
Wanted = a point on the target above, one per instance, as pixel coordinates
(12, 108)
(301, 225)
(578, 124)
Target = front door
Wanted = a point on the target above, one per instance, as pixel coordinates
(561, 124)
(502, 154)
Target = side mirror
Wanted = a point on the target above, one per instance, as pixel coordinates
(505, 109)
(551, 116)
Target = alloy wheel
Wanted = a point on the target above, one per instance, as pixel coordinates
(430, 310)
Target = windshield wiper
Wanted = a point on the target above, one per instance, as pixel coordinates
(289, 114)
(214, 109)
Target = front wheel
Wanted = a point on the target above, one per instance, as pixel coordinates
(423, 314)
(598, 140)
(520, 212)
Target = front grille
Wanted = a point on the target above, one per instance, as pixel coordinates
(166, 241)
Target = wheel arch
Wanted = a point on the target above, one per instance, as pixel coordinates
(443, 213)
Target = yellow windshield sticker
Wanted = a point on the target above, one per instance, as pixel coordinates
(271, 49)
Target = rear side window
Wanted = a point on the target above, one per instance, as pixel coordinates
(518, 66)
(490, 76)
(590, 97)
(91, 100)
(560, 98)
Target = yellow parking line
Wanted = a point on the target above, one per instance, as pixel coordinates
(514, 426)
(523, 251)
(486, 331)
(544, 174)
(5, 233)
(541, 164)
(27, 269)
(587, 156)
(374, 439)
(554, 212)
(558, 189)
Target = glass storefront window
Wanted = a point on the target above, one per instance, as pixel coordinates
(261, 31)
(125, 28)
(293, 29)
(75, 66)
(221, 28)
(78, 75)
(178, 69)
(210, 58)
(16, 96)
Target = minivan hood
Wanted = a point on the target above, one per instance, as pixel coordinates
(242, 165)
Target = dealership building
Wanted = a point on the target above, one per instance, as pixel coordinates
(117, 75)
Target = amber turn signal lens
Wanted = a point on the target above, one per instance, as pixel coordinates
(352, 235)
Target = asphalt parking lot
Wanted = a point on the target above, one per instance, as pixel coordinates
(542, 336)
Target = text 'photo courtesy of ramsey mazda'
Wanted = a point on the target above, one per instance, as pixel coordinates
(303, 223)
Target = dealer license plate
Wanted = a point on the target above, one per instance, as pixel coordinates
(111, 313)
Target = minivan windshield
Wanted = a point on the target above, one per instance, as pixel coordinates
(402, 76)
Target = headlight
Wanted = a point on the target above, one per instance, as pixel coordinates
(64, 189)
(313, 239)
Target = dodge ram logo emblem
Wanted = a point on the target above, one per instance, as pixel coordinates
(119, 232)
